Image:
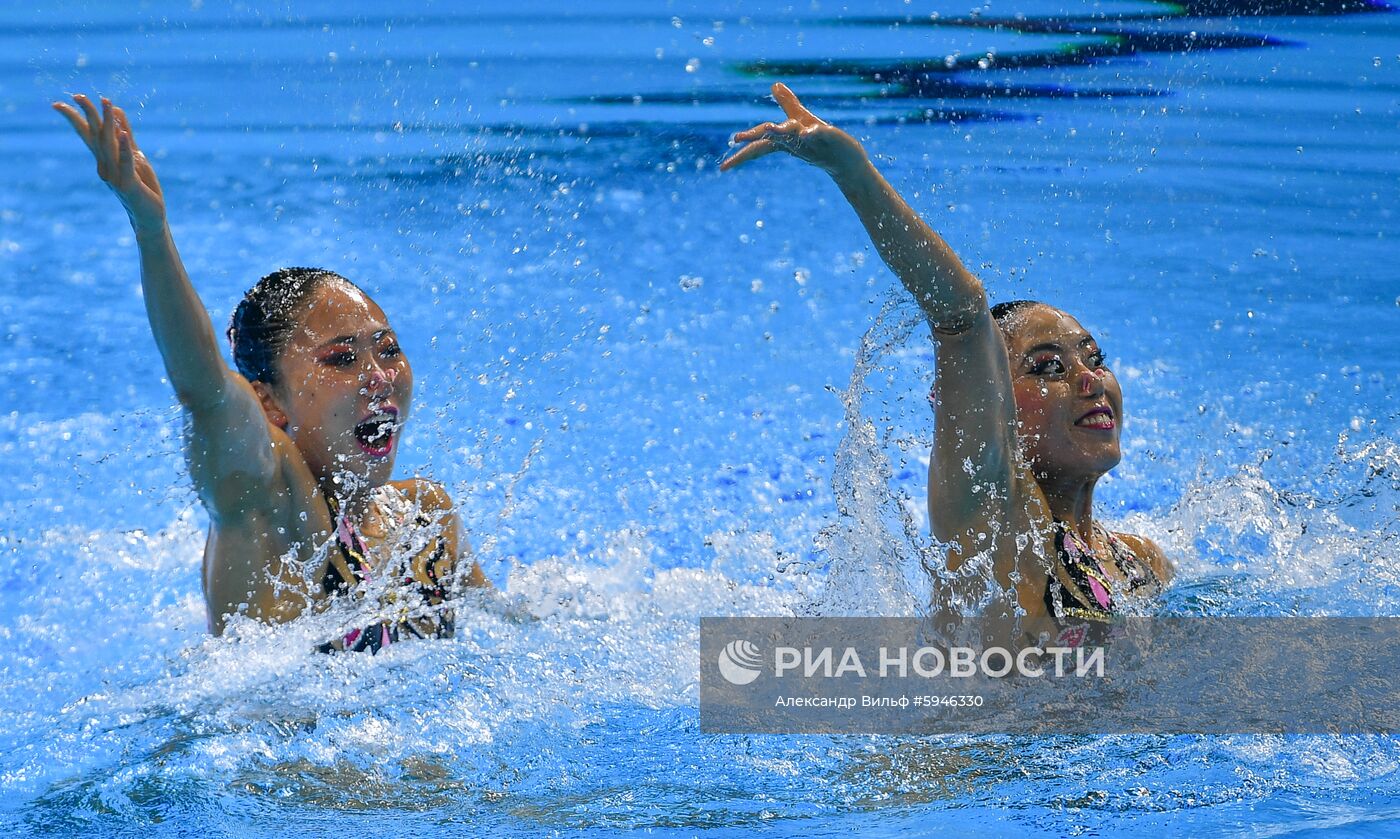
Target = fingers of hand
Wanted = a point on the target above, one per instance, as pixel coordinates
(75, 119)
(758, 148)
(754, 133)
(787, 100)
(94, 121)
(783, 135)
(109, 128)
(124, 125)
(128, 156)
(105, 144)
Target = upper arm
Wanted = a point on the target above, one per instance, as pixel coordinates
(233, 450)
(972, 470)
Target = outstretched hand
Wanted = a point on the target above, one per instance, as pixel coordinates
(120, 164)
(803, 135)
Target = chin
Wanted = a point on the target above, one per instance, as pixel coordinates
(1104, 462)
(1079, 463)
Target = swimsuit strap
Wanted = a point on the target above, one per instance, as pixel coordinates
(350, 567)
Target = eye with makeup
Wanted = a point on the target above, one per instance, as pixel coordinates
(1047, 365)
(390, 349)
(338, 357)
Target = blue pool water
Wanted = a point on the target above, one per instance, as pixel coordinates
(659, 393)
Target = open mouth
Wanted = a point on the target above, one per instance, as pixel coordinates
(376, 434)
(1100, 418)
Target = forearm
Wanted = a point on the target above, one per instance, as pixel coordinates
(948, 294)
(179, 322)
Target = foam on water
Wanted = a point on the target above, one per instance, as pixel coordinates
(518, 722)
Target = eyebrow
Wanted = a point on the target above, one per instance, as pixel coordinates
(1042, 347)
(351, 339)
(1054, 347)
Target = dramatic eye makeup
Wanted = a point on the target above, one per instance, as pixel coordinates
(1046, 364)
(337, 352)
(388, 345)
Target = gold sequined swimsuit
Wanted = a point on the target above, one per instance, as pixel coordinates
(349, 571)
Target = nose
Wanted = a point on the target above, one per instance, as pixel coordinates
(1090, 381)
(380, 378)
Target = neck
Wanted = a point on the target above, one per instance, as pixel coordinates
(1072, 502)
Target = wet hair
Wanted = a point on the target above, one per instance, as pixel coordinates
(262, 324)
(1007, 308)
(1002, 312)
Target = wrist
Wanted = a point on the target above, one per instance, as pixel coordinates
(150, 231)
(855, 175)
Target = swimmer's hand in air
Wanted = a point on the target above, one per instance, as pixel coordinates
(804, 136)
(120, 163)
(951, 298)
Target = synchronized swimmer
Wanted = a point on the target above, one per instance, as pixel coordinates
(292, 453)
(1027, 413)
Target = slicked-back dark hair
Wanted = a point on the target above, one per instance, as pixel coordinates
(1003, 310)
(262, 324)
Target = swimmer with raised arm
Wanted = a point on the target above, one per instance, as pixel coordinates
(291, 454)
(1027, 414)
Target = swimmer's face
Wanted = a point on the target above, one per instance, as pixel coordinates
(1069, 408)
(346, 386)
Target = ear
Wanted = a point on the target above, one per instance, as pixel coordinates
(271, 406)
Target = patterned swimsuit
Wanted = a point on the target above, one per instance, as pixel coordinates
(1079, 593)
(417, 601)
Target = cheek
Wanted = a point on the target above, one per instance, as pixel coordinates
(1036, 404)
(1032, 401)
(1111, 387)
(404, 384)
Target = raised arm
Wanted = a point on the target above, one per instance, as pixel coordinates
(230, 433)
(972, 469)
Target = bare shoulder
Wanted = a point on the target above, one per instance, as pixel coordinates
(1151, 553)
(432, 499)
(429, 496)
